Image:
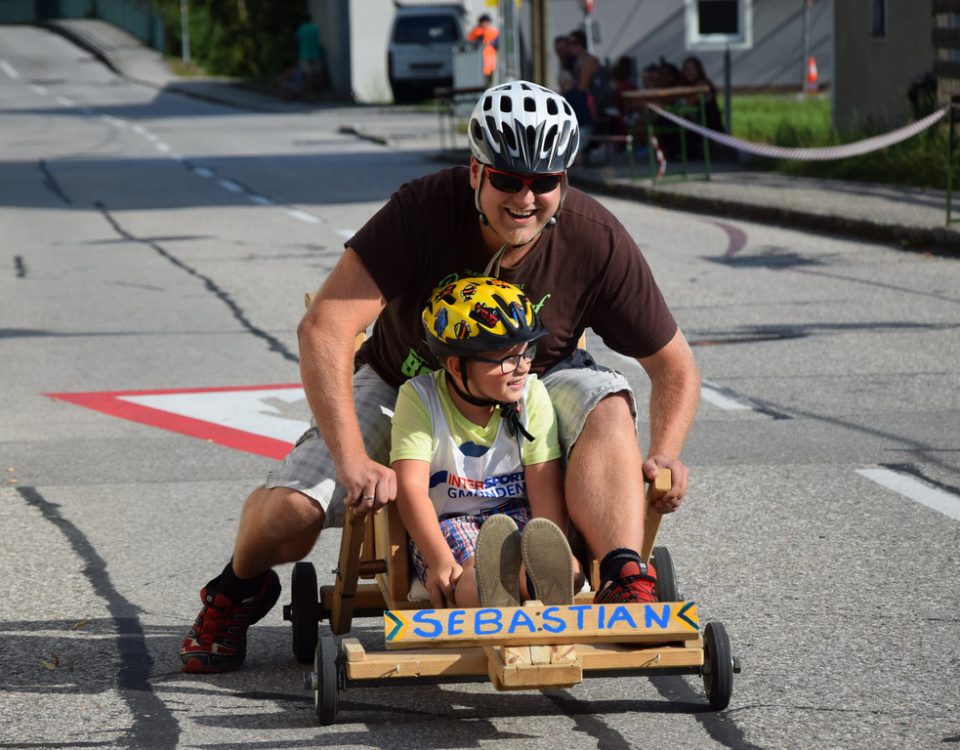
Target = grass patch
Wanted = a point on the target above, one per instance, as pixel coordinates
(805, 122)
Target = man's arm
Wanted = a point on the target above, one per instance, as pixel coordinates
(348, 302)
(674, 397)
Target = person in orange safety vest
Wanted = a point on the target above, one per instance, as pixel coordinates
(485, 33)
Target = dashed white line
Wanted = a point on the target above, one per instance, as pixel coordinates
(346, 233)
(202, 172)
(161, 146)
(110, 119)
(260, 200)
(9, 69)
(66, 102)
(139, 129)
(916, 490)
(231, 186)
(302, 216)
(41, 90)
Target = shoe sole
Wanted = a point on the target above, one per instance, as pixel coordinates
(497, 560)
(549, 561)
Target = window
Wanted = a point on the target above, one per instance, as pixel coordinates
(425, 29)
(878, 18)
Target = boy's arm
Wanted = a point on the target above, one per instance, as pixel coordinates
(420, 519)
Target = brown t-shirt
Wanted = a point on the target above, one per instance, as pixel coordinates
(585, 271)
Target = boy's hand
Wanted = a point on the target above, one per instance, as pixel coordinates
(442, 581)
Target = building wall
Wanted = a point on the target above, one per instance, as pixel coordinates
(649, 29)
(873, 74)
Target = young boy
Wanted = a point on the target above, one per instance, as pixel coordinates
(476, 454)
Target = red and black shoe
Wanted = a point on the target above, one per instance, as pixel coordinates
(217, 642)
(636, 583)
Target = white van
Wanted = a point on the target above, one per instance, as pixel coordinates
(420, 51)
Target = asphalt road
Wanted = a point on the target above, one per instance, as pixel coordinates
(154, 242)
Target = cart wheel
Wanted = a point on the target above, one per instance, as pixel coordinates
(327, 680)
(718, 666)
(304, 613)
(666, 578)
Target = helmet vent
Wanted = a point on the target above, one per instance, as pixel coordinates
(551, 107)
(509, 137)
(487, 103)
(506, 105)
(566, 108)
(477, 130)
(529, 104)
(549, 138)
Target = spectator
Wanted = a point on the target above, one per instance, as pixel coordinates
(310, 54)
(694, 75)
(561, 45)
(582, 107)
(486, 33)
(621, 81)
(591, 78)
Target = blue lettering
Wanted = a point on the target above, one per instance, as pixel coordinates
(650, 617)
(601, 611)
(455, 622)
(424, 617)
(521, 618)
(620, 614)
(580, 609)
(487, 618)
(551, 623)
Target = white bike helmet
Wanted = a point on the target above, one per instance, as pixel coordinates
(522, 127)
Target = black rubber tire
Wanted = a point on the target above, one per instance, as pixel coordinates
(666, 577)
(326, 692)
(717, 666)
(304, 611)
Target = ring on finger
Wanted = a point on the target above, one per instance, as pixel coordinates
(369, 497)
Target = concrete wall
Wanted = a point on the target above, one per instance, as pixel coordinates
(873, 74)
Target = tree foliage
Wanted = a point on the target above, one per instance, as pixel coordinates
(244, 38)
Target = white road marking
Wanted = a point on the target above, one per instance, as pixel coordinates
(202, 172)
(117, 123)
(161, 146)
(38, 89)
(346, 233)
(9, 69)
(66, 102)
(139, 129)
(296, 213)
(260, 200)
(916, 490)
(231, 186)
(722, 398)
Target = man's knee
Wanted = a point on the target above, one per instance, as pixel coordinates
(283, 508)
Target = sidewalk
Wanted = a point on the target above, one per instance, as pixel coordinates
(911, 218)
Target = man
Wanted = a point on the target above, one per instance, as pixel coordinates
(510, 214)
(486, 34)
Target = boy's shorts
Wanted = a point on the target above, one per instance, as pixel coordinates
(460, 533)
(576, 385)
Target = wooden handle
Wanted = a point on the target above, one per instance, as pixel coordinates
(651, 522)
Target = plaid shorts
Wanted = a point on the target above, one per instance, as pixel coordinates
(461, 533)
(309, 467)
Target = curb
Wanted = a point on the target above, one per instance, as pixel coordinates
(935, 240)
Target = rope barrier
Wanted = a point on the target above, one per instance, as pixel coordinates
(807, 154)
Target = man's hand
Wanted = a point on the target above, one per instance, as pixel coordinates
(442, 581)
(671, 501)
(369, 485)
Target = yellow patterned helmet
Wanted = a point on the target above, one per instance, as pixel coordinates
(478, 314)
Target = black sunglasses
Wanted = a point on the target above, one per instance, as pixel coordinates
(511, 362)
(508, 182)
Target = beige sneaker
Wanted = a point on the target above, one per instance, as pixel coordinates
(498, 562)
(549, 561)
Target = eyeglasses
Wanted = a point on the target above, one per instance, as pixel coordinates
(510, 363)
(508, 182)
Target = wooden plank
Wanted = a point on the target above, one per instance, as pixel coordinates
(473, 662)
(348, 572)
(391, 546)
(469, 662)
(353, 649)
(368, 596)
(651, 522)
(511, 668)
(554, 625)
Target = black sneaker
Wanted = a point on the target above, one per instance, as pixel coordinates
(217, 642)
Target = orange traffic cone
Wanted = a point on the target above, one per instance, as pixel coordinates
(813, 86)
